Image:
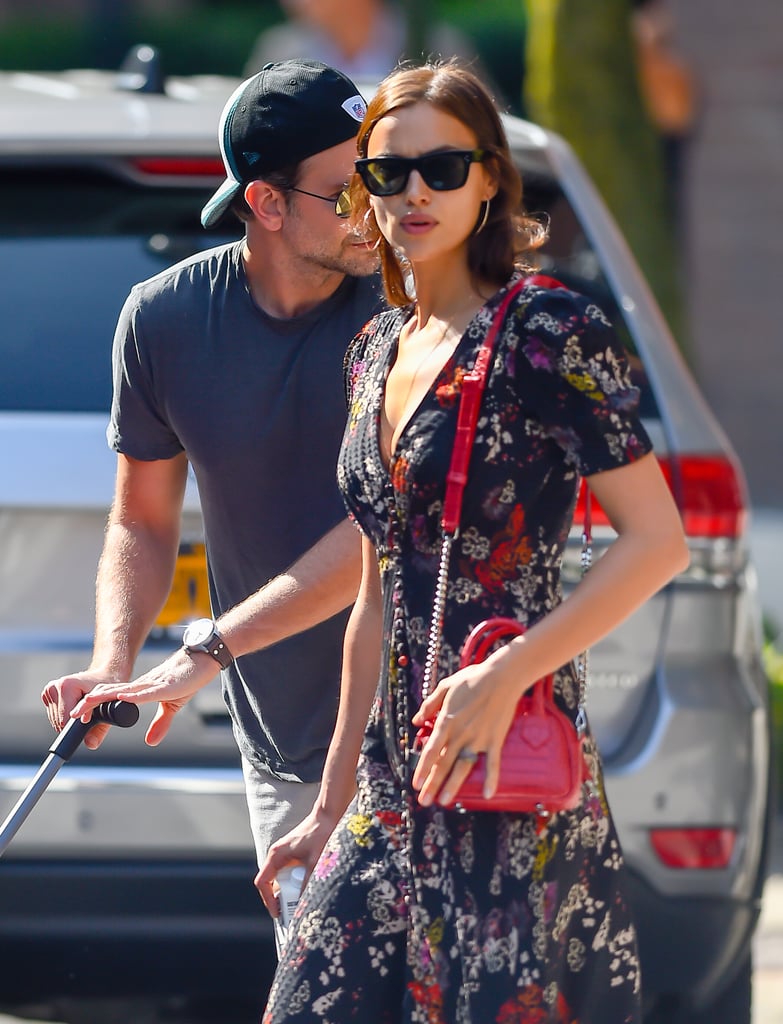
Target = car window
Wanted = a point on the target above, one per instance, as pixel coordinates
(72, 243)
(569, 256)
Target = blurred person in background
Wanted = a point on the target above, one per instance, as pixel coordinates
(668, 89)
(365, 39)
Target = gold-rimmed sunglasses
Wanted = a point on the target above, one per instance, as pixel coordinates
(342, 204)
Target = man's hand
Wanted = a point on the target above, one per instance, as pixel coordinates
(171, 683)
(60, 697)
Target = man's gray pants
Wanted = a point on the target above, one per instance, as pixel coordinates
(275, 807)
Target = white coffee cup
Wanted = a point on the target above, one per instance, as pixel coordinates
(290, 881)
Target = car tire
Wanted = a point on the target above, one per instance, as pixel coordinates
(732, 1005)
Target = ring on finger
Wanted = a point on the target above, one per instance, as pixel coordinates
(466, 754)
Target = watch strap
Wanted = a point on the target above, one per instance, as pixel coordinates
(216, 648)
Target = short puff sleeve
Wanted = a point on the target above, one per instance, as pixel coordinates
(574, 375)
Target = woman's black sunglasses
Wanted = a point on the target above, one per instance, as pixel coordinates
(443, 172)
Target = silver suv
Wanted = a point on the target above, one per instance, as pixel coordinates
(135, 868)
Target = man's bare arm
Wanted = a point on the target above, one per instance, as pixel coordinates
(134, 578)
(322, 582)
(137, 563)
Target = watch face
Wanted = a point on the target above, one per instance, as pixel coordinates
(198, 632)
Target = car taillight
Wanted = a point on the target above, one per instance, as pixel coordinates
(180, 166)
(694, 847)
(709, 491)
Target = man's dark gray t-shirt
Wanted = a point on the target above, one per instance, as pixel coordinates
(257, 404)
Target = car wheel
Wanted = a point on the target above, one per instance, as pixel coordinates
(730, 1006)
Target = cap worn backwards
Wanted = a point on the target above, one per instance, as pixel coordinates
(290, 110)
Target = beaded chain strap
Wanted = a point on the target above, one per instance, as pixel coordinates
(470, 401)
(472, 390)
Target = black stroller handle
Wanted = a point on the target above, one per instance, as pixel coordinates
(115, 712)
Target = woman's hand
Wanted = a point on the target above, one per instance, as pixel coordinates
(302, 845)
(475, 706)
(473, 711)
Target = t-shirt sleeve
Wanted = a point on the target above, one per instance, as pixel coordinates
(137, 427)
(574, 374)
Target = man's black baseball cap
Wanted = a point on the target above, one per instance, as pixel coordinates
(290, 110)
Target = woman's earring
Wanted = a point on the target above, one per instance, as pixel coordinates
(484, 219)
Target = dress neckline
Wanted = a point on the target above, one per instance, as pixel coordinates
(401, 430)
(397, 323)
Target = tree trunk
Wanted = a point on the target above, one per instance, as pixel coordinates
(582, 82)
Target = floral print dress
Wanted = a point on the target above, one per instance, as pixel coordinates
(438, 916)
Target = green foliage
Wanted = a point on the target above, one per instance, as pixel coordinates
(216, 38)
(582, 81)
(773, 664)
(34, 44)
(210, 40)
(497, 28)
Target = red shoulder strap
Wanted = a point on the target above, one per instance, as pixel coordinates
(470, 402)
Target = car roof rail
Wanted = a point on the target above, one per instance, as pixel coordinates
(141, 70)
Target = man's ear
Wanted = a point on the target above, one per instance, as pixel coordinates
(267, 203)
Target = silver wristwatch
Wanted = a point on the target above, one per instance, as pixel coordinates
(202, 635)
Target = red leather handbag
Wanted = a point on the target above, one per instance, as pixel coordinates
(542, 764)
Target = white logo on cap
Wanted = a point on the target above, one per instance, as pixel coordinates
(356, 107)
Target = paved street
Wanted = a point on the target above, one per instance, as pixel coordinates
(767, 548)
(767, 545)
(768, 945)
(768, 960)
(768, 976)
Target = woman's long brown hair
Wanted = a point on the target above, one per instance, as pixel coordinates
(494, 252)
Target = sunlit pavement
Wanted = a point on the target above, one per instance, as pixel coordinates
(767, 547)
(768, 972)
(767, 955)
(768, 944)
